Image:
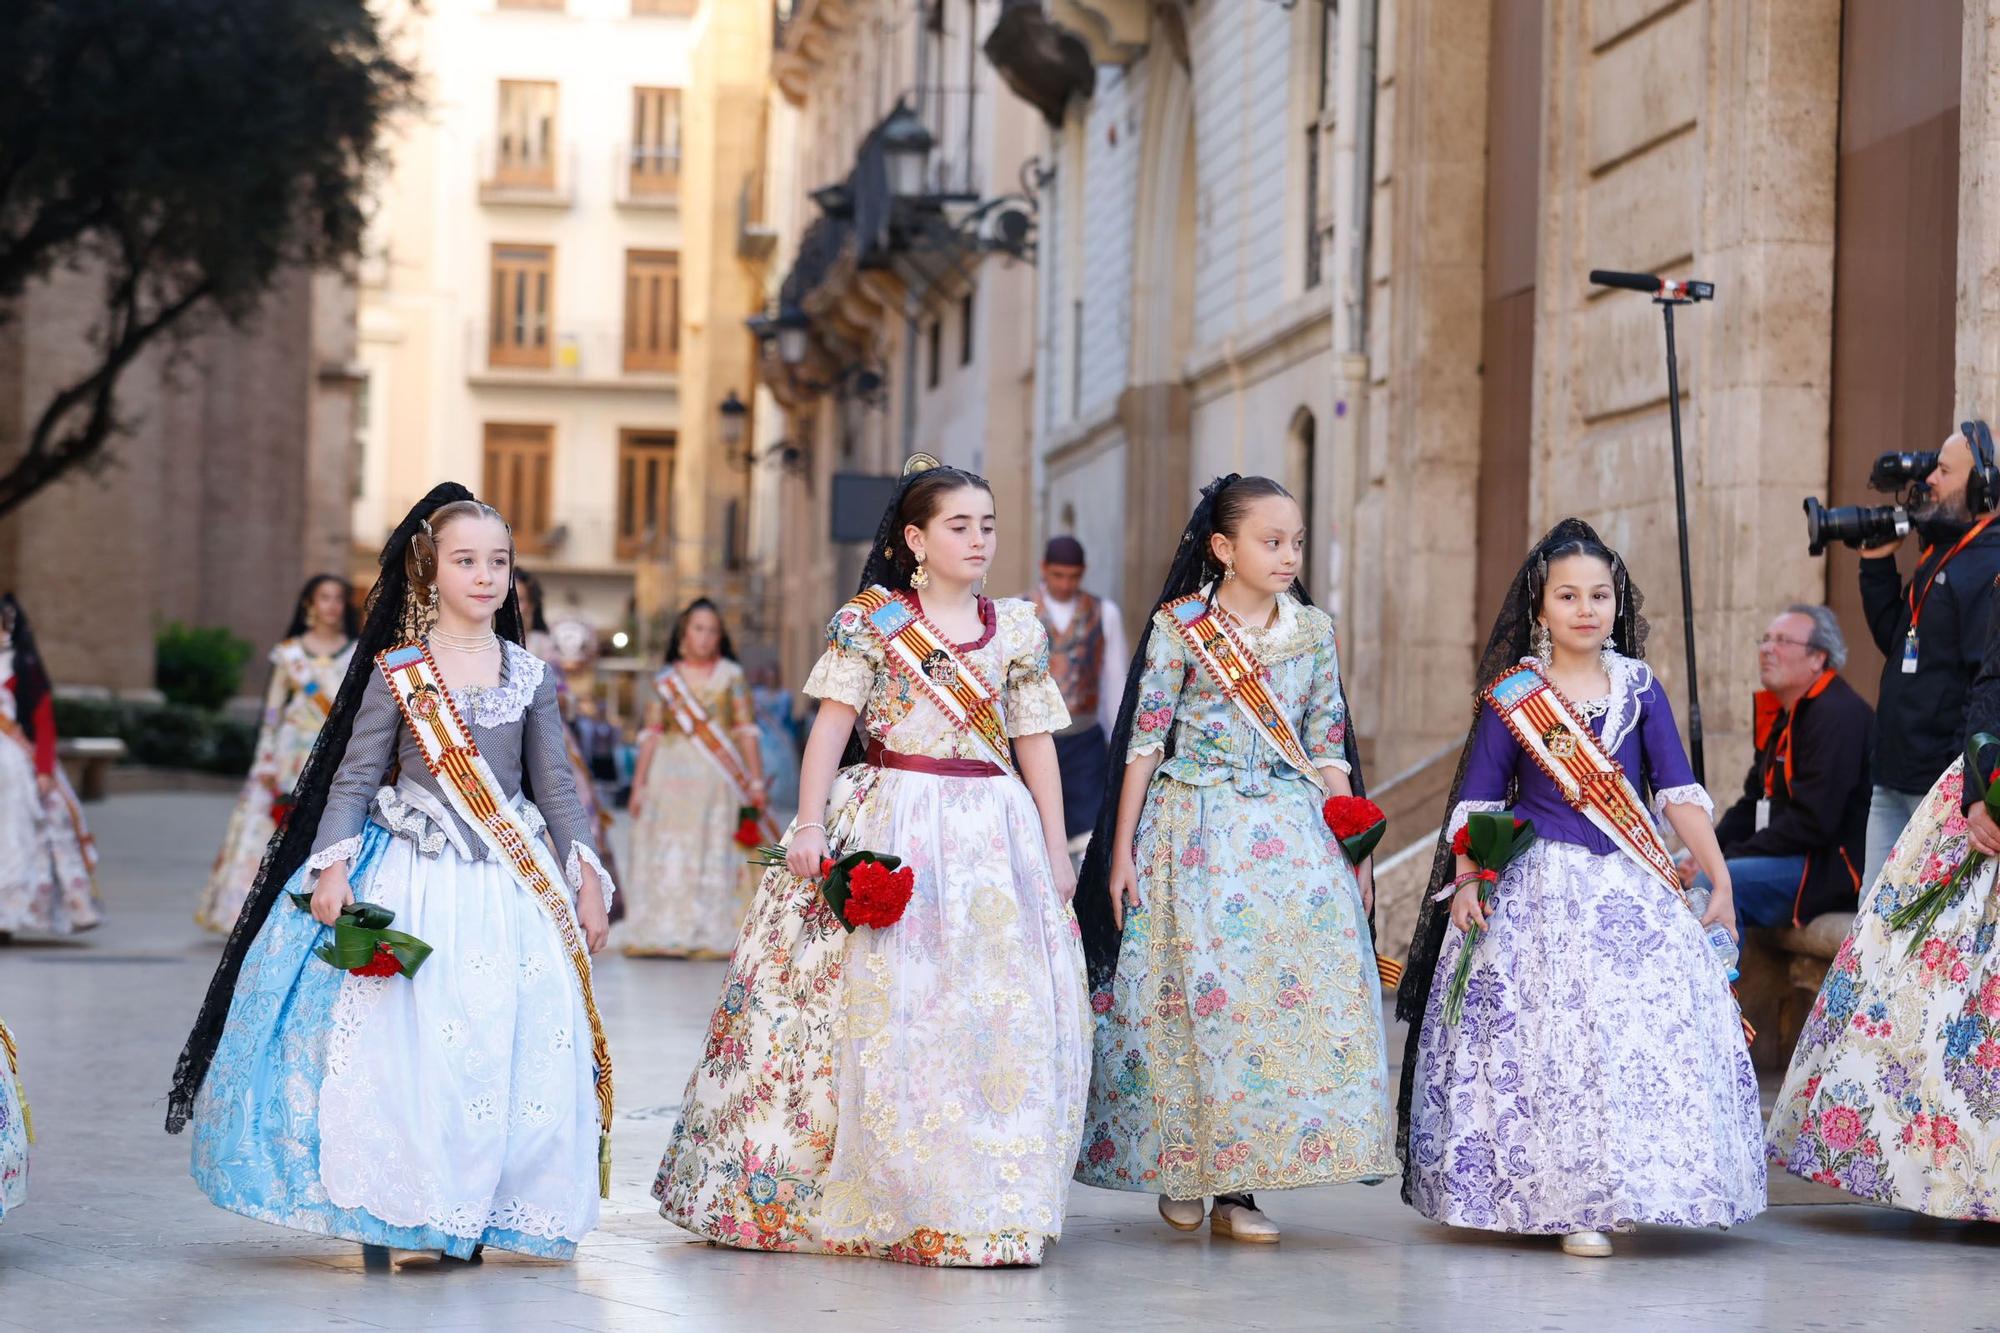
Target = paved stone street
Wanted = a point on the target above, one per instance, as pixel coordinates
(115, 1236)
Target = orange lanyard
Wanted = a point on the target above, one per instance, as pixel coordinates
(1917, 599)
(1781, 752)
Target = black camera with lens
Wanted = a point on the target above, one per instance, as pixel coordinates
(1900, 474)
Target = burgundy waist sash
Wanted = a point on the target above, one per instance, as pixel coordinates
(882, 757)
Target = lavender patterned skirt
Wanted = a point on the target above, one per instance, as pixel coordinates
(1598, 1076)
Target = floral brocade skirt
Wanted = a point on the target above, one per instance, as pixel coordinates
(444, 1111)
(689, 882)
(1240, 1044)
(1894, 1089)
(48, 859)
(13, 1139)
(1598, 1075)
(912, 1093)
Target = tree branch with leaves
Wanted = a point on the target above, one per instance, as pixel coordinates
(188, 151)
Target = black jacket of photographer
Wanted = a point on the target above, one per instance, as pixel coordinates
(1920, 717)
(1812, 765)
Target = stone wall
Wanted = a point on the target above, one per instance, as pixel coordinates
(202, 510)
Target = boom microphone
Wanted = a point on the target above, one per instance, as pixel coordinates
(1653, 285)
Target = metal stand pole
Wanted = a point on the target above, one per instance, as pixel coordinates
(1687, 574)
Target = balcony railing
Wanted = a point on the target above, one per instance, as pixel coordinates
(648, 175)
(591, 353)
(511, 172)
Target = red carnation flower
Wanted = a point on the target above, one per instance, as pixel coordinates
(383, 964)
(876, 895)
(1351, 816)
(748, 834)
(1461, 842)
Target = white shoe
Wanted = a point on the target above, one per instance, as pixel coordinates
(1244, 1222)
(1587, 1244)
(1182, 1214)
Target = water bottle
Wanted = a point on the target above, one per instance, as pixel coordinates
(1727, 953)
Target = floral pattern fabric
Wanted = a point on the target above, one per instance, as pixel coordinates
(300, 682)
(690, 881)
(13, 1134)
(1240, 1045)
(1598, 1076)
(453, 1109)
(913, 1093)
(48, 859)
(1894, 1088)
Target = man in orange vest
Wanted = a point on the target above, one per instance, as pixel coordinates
(1087, 657)
(1795, 838)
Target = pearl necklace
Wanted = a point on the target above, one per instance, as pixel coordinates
(465, 643)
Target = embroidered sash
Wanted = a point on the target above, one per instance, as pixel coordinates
(453, 757)
(298, 665)
(946, 678)
(693, 720)
(1593, 782)
(1241, 678)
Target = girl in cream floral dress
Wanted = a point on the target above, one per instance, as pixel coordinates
(913, 1092)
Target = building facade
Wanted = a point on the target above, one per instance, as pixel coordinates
(899, 307)
(1347, 245)
(553, 308)
(227, 486)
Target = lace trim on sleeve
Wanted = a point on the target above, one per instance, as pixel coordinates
(344, 850)
(579, 856)
(1692, 794)
(1464, 810)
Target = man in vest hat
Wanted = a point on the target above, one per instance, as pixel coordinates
(1087, 657)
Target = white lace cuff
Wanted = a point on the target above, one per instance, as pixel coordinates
(579, 856)
(344, 850)
(1692, 794)
(1464, 810)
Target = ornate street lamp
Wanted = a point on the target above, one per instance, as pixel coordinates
(906, 145)
(734, 413)
(792, 326)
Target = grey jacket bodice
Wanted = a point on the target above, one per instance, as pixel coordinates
(518, 729)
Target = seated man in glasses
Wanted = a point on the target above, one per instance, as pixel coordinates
(1795, 838)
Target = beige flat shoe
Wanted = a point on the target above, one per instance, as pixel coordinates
(1182, 1214)
(1587, 1244)
(1242, 1221)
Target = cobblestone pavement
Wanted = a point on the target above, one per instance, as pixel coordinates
(115, 1236)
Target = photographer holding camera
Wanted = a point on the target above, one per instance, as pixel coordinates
(1933, 630)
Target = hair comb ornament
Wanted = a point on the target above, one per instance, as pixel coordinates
(920, 463)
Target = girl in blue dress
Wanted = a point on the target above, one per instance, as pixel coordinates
(1239, 1040)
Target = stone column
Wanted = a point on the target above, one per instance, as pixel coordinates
(1978, 377)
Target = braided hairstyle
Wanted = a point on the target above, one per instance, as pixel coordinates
(350, 624)
(409, 563)
(1223, 505)
(918, 498)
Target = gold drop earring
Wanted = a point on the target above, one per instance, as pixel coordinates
(1545, 644)
(1229, 573)
(920, 577)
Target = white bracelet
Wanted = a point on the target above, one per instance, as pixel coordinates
(801, 828)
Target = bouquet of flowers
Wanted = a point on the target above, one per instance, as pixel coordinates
(1359, 824)
(364, 945)
(749, 829)
(1922, 911)
(863, 888)
(1490, 840)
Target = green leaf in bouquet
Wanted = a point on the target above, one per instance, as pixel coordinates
(1362, 845)
(1976, 772)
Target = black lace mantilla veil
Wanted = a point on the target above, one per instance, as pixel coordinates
(1509, 642)
(292, 843)
(1193, 567)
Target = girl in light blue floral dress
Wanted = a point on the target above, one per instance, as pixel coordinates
(1239, 1039)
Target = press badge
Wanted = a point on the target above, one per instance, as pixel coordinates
(1910, 653)
(1763, 814)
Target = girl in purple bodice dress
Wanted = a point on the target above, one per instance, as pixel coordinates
(1598, 1076)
